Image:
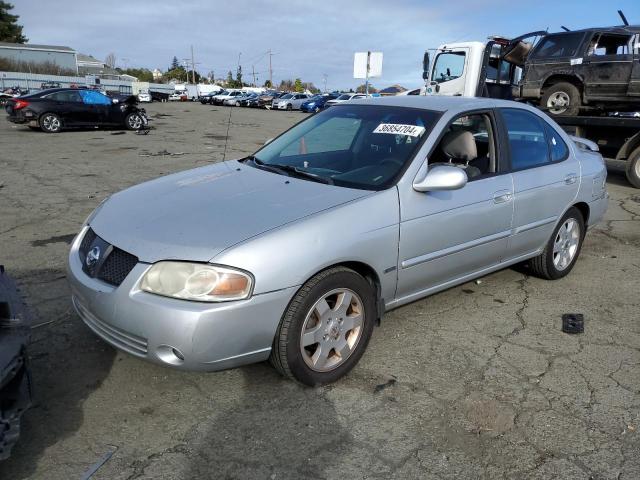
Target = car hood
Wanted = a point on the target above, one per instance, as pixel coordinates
(195, 215)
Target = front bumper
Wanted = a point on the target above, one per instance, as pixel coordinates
(183, 334)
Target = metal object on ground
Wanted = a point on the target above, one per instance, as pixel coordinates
(15, 379)
(573, 323)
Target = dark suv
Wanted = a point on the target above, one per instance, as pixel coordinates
(595, 67)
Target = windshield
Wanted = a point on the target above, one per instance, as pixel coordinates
(448, 66)
(358, 146)
(288, 95)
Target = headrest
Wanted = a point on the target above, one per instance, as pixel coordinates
(460, 145)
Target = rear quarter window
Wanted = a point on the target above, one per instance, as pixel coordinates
(558, 45)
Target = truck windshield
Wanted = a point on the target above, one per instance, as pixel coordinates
(356, 146)
(448, 66)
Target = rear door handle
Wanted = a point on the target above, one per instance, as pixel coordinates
(571, 179)
(502, 196)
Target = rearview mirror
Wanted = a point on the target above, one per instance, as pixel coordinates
(441, 177)
(425, 66)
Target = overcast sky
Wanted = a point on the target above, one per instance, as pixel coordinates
(308, 38)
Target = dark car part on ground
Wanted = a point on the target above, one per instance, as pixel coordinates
(573, 323)
(15, 378)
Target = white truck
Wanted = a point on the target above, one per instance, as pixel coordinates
(494, 69)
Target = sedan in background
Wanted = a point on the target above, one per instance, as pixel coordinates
(174, 97)
(345, 97)
(316, 103)
(391, 200)
(54, 110)
(291, 101)
(144, 97)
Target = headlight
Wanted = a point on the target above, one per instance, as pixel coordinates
(197, 281)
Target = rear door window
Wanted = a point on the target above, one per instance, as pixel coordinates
(608, 44)
(558, 45)
(527, 141)
(68, 96)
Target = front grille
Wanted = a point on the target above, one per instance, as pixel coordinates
(124, 340)
(114, 264)
(117, 266)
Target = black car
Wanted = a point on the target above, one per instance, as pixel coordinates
(15, 378)
(595, 67)
(56, 109)
(244, 101)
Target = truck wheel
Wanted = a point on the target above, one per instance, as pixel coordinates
(562, 250)
(326, 327)
(561, 99)
(633, 168)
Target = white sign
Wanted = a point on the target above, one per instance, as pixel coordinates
(399, 129)
(360, 64)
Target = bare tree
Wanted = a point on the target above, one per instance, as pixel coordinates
(110, 61)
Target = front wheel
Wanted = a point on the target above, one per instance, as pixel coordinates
(633, 168)
(134, 121)
(326, 327)
(50, 123)
(289, 107)
(561, 99)
(562, 250)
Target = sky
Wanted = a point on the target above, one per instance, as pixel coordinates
(308, 39)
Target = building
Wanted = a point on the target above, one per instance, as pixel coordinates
(157, 74)
(88, 65)
(64, 58)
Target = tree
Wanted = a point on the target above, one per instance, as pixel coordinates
(174, 63)
(10, 31)
(142, 74)
(362, 88)
(110, 61)
(239, 77)
(297, 85)
(176, 74)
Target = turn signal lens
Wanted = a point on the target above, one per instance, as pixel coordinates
(197, 281)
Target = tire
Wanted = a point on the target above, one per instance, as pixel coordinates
(50, 123)
(133, 121)
(633, 168)
(565, 96)
(330, 288)
(289, 107)
(550, 264)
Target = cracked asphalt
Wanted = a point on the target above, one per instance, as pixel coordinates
(475, 382)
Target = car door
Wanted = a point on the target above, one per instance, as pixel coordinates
(607, 67)
(634, 82)
(68, 105)
(98, 108)
(546, 178)
(446, 236)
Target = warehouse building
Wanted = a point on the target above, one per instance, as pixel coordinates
(31, 54)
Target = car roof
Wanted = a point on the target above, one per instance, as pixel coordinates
(438, 103)
(624, 29)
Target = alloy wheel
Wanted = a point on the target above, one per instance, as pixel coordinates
(565, 245)
(558, 102)
(51, 123)
(332, 329)
(135, 122)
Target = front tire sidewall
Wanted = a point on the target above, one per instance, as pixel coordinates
(297, 311)
(553, 272)
(633, 168)
(130, 120)
(571, 91)
(48, 129)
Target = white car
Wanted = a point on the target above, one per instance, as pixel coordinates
(174, 97)
(233, 98)
(291, 101)
(345, 97)
(144, 97)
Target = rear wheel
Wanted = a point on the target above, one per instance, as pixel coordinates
(633, 168)
(561, 99)
(50, 123)
(326, 327)
(133, 121)
(289, 107)
(562, 250)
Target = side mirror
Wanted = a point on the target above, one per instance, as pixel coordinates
(425, 66)
(441, 177)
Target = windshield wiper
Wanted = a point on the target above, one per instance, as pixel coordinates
(289, 169)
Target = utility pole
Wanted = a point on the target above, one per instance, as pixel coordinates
(324, 80)
(270, 69)
(239, 68)
(253, 72)
(193, 68)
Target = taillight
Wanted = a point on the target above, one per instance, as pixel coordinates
(20, 104)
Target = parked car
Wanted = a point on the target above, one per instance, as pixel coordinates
(207, 98)
(316, 103)
(266, 99)
(15, 377)
(54, 110)
(174, 97)
(48, 85)
(291, 101)
(591, 68)
(230, 95)
(266, 275)
(244, 101)
(345, 97)
(159, 96)
(145, 97)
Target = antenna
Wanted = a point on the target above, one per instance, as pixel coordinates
(565, 28)
(624, 19)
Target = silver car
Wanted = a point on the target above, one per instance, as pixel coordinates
(291, 101)
(293, 254)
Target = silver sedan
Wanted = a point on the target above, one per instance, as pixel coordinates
(293, 254)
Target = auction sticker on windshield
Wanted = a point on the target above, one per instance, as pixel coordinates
(399, 129)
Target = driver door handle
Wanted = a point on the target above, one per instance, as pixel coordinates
(502, 196)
